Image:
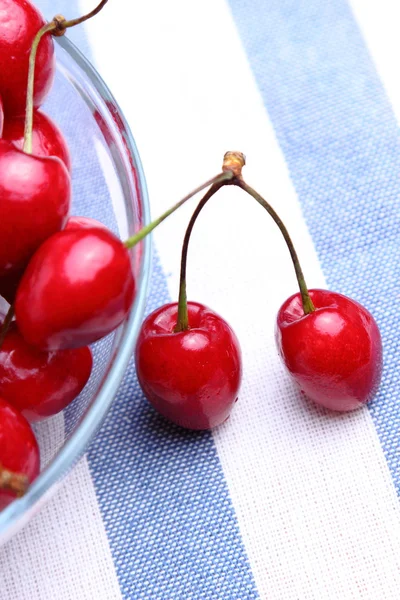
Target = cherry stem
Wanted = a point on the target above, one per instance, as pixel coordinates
(183, 317)
(13, 482)
(57, 27)
(135, 239)
(31, 84)
(66, 24)
(308, 305)
(6, 324)
(234, 163)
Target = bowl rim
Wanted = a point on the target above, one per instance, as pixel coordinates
(75, 446)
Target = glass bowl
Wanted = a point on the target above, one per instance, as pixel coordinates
(108, 185)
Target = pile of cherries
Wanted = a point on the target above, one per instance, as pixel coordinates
(69, 282)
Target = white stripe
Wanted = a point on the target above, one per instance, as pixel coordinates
(63, 553)
(313, 495)
(380, 25)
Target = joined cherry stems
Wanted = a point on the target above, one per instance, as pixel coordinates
(56, 27)
(233, 163)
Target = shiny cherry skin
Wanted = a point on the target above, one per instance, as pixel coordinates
(35, 195)
(41, 384)
(334, 354)
(77, 288)
(20, 21)
(47, 139)
(1, 117)
(192, 377)
(19, 451)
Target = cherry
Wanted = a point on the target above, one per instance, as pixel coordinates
(34, 203)
(77, 288)
(191, 377)
(41, 384)
(19, 454)
(334, 353)
(188, 359)
(47, 139)
(19, 23)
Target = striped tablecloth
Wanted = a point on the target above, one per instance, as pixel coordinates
(283, 502)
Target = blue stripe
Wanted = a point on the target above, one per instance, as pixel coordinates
(162, 494)
(342, 146)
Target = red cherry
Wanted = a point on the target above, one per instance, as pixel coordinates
(19, 451)
(77, 288)
(334, 354)
(1, 117)
(192, 377)
(34, 203)
(19, 23)
(47, 139)
(41, 384)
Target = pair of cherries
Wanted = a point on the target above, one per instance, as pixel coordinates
(193, 377)
(188, 358)
(69, 279)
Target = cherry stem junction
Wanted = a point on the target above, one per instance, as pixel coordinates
(233, 163)
(135, 239)
(56, 27)
(13, 482)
